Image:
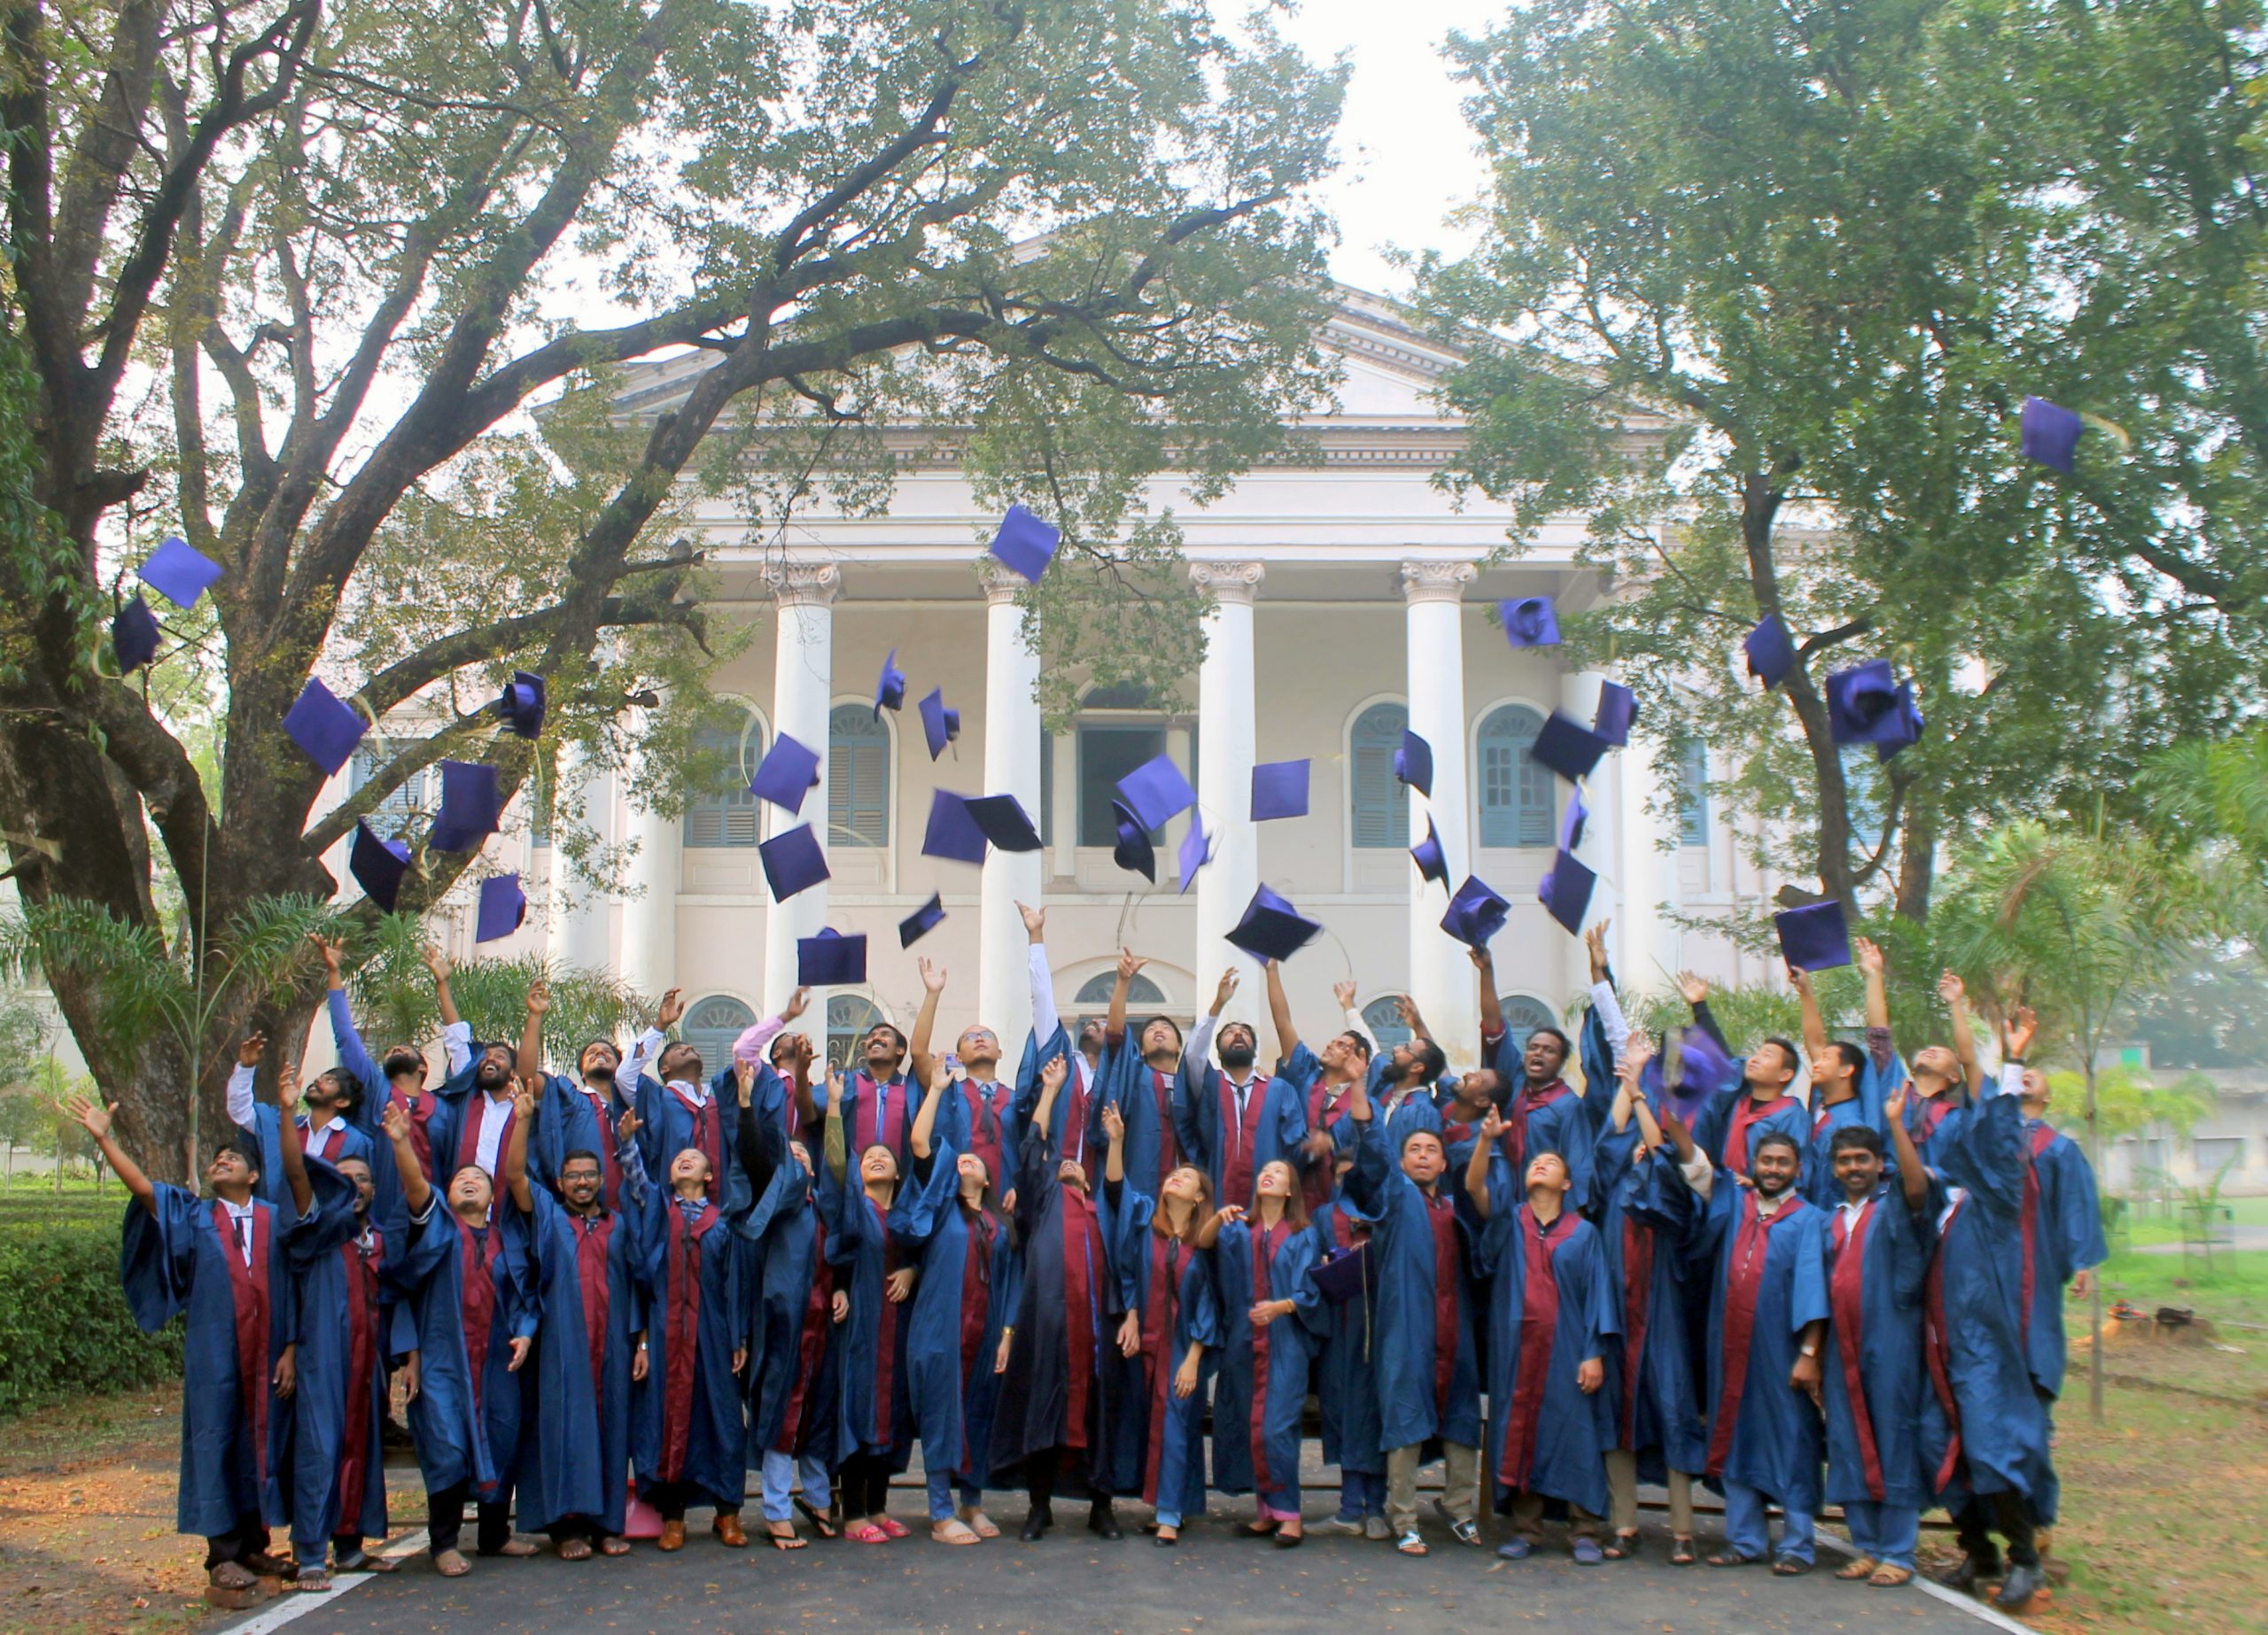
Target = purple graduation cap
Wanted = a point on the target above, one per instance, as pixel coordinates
(322, 726)
(952, 833)
(1004, 822)
(1617, 713)
(787, 773)
(939, 725)
(377, 866)
(1279, 789)
(1413, 762)
(504, 905)
(1475, 913)
(1857, 699)
(1156, 792)
(134, 636)
(830, 960)
(792, 862)
(921, 922)
(470, 807)
(521, 704)
(1339, 1276)
(1813, 937)
(180, 573)
(2049, 433)
(1024, 544)
(1427, 854)
(890, 691)
(1899, 725)
(1567, 747)
(1133, 853)
(1196, 850)
(1572, 821)
(1271, 928)
(1530, 621)
(1771, 650)
(1565, 890)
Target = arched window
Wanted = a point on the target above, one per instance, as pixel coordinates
(1381, 804)
(848, 1016)
(1120, 728)
(711, 1025)
(1692, 793)
(1141, 991)
(857, 777)
(1523, 1016)
(1516, 794)
(728, 748)
(1383, 1017)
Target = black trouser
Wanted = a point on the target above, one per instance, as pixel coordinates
(444, 1520)
(862, 1486)
(1039, 1482)
(670, 1499)
(2008, 1513)
(573, 1527)
(247, 1538)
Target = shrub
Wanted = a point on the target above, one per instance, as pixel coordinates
(65, 1330)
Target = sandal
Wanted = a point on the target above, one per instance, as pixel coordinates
(1734, 1558)
(981, 1525)
(1258, 1529)
(574, 1549)
(1681, 1553)
(820, 1525)
(1858, 1568)
(866, 1532)
(1790, 1566)
(613, 1544)
(952, 1530)
(789, 1540)
(452, 1564)
(1888, 1575)
(1463, 1532)
(1412, 1545)
(312, 1580)
(1619, 1547)
(362, 1561)
(232, 1576)
(891, 1525)
(515, 1548)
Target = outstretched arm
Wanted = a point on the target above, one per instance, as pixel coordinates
(531, 1030)
(1492, 1007)
(1051, 1081)
(925, 1021)
(1476, 1168)
(287, 1141)
(1115, 1025)
(925, 1123)
(1045, 1019)
(417, 1191)
(1868, 956)
(96, 1120)
(1913, 1178)
(456, 1036)
(1814, 1024)
(1201, 1037)
(516, 1144)
(241, 1078)
(1279, 1008)
(1950, 989)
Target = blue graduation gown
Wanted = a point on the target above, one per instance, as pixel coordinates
(1422, 1350)
(337, 1480)
(1320, 1109)
(686, 1419)
(1146, 1099)
(468, 1297)
(1076, 1123)
(794, 1390)
(1159, 1446)
(575, 1120)
(2062, 1237)
(878, 1112)
(1818, 1184)
(1275, 1122)
(1872, 1363)
(981, 1118)
(1730, 1125)
(183, 1258)
(1346, 1392)
(1550, 1118)
(584, 1273)
(931, 1229)
(1261, 1386)
(990, 1268)
(1651, 1387)
(669, 1126)
(1550, 1308)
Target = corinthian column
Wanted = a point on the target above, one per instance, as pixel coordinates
(802, 679)
(1441, 975)
(1225, 756)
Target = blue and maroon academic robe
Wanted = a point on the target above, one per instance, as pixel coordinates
(1324, 1107)
(990, 1269)
(2062, 1237)
(1145, 1098)
(1076, 1123)
(1540, 1118)
(670, 1122)
(686, 1423)
(1346, 1393)
(877, 1114)
(1733, 1121)
(577, 1120)
(584, 1273)
(981, 1118)
(876, 1395)
(1159, 1447)
(1235, 1150)
(933, 1230)
(1261, 1387)
(336, 1486)
(793, 1393)
(469, 1298)
(1873, 1376)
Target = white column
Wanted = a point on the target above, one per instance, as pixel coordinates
(1579, 699)
(1646, 873)
(1441, 974)
(649, 909)
(578, 929)
(1010, 767)
(802, 683)
(1225, 756)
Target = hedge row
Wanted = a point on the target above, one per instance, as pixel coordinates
(65, 1330)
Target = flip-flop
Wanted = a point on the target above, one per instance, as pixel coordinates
(788, 1540)
(821, 1525)
(452, 1564)
(1733, 1558)
(982, 1524)
(1412, 1545)
(311, 1581)
(891, 1525)
(954, 1531)
(574, 1549)
(1888, 1575)
(866, 1532)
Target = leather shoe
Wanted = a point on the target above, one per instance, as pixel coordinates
(1036, 1525)
(1101, 1520)
(672, 1536)
(2017, 1589)
(729, 1532)
(1965, 1576)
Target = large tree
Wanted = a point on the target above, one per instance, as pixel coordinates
(1834, 245)
(342, 293)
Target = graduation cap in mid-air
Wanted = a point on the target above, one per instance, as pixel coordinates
(787, 773)
(890, 691)
(1196, 850)
(1475, 913)
(179, 571)
(1617, 713)
(470, 807)
(1567, 747)
(322, 726)
(1771, 650)
(921, 922)
(2049, 433)
(793, 862)
(1024, 544)
(1565, 889)
(1867, 705)
(1413, 762)
(1900, 725)
(1279, 789)
(378, 866)
(952, 833)
(1427, 854)
(939, 724)
(1572, 821)
(1271, 928)
(830, 960)
(504, 905)
(134, 636)
(1156, 791)
(1530, 621)
(521, 704)
(1004, 822)
(1341, 1275)
(1133, 852)
(1813, 937)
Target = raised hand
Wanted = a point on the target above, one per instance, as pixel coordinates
(1594, 945)
(253, 1046)
(933, 976)
(2016, 1037)
(539, 997)
(1034, 921)
(1344, 993)
(1894, 1109)
(1799, 979)
(436, 961)
(1051, 1077)
(1130, 965)
(745, 1078)
(1114, 1125)
(1492, 1123)
(626, 1127)
(395, 1122)
(90, 1116)
(1867, 954)
(331, 950)
(1226, 988)
(1635, 1055)
(1694, 988)
(671, 1008)
(798, 1003)
(1952, 990)
(524, 1094)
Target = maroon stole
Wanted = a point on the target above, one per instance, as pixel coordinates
(1847, 1299)
(975, 1310)
(819, 1318)
(477, 1107)
(1239, 1133)
(1081, 1254)
(1317, 1178)
(248, 1287)
(1934, 1109)
(1076, 1105)
(475, 1261)
(326, 1145)
(419, 1109)
(680, 1351)
(1158, 1315)
(2042, 1138)
(361, 1357)
(1749, 1111)
(609, 1164)
(1168, 1143)
(882, 1424)
(1441, 1214)
(709, 1136)
(1513, 1141)
(1637, 1284)
(1744, 1282)
(1539, 1333)
(1265, 1241)
(1936, 1347)
(892, 1131)
(984, 1126)
(594, 1237)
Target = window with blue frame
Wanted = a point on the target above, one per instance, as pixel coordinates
(723, 813)
(1380, 816)
(1516, 793)
(857, 777)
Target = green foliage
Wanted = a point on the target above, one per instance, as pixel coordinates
(2127, 1104)
(1749, 1012)
(65, 1330)
(393, 1001)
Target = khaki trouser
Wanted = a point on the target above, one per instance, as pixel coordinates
(1460, 1484)
(1622, 1495)
(1527, 1517)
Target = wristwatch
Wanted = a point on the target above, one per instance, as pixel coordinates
(1810, 1348)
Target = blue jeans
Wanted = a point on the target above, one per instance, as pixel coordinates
(1362, 1493)
(1884, 1531)
(1169, 1518)
(779, 1470)
(941, 1495)
(1746, 1531)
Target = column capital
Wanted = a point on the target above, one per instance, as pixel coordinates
(1423, 582)
(1001, 584)
(804, 584)
(1236, 583)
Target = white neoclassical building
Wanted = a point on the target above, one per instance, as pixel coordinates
(1352, 599)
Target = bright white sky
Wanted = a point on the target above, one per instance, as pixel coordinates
(1409, 158)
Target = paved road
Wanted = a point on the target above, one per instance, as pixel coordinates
(1214, 1582)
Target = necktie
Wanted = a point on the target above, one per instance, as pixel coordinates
(243, 1245)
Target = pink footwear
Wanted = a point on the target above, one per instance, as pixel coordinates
(895, 1528)
(866, 1532)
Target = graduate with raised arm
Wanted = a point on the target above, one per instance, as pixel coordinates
(1234, 1119)
(1849, 1086)
(1541, 1112)
(1660, 1435)
(794, 1394)
(876, 1097)
(1172, 1319)
(583, 1272)
(1141, 1077)
(399, 1077)
(1423, 1358)
(1347, 1395)
(1946, 1078)
(475, 1326)
(579, 1114)
(1759, 1247)
(680, 1107)
(1270, 1319)
(329, 1129)
(978, 1115)
(791, 1055)
(688, 1439)
(1551, 1316)
(1053, 1425)
(1077, 1127)
(1877, 1238)
(1323, 1082)
(1730, 1123)
(221, 1262)
(1403, 1084)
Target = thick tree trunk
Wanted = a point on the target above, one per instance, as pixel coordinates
(1917, 859)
